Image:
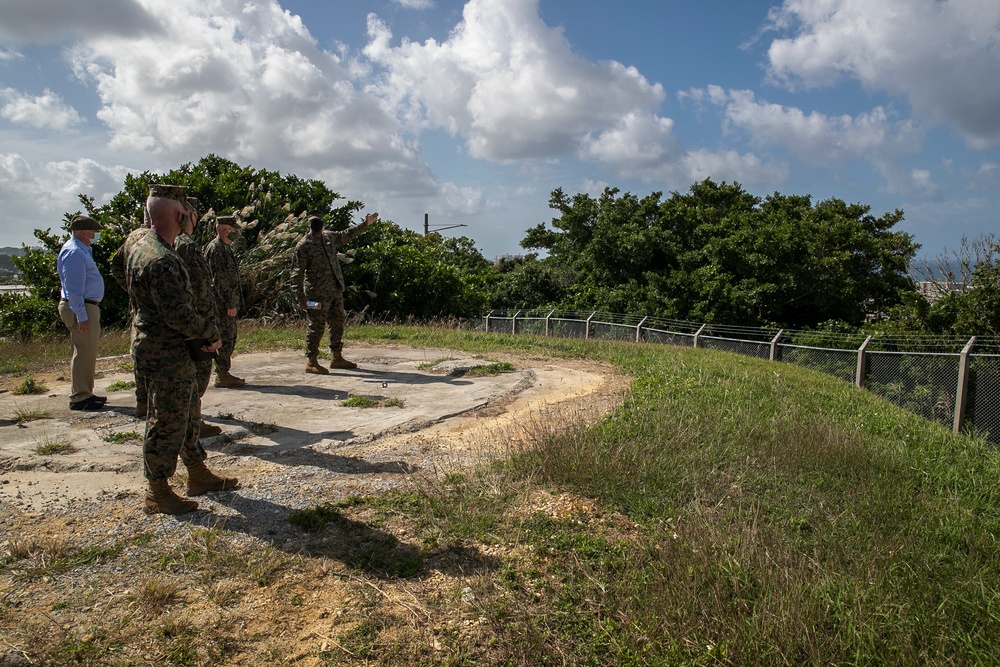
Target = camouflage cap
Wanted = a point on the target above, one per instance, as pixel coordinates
(312, 215)
(226, 220)
(82, 222)
(193, 202)
(177, 192)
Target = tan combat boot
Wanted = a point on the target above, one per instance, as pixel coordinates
(160, 499)
(228, 380)
(141, 409)
(313, 366)
(202, 480)
(206, 429)
(340, 362)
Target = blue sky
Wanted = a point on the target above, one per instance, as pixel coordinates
(473, 112)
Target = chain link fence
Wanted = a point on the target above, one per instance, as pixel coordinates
(945, 379)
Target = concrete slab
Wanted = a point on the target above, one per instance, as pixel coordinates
(283, 417)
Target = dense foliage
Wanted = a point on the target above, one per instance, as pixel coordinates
(715, 254)
(401, 275)
(719, 254)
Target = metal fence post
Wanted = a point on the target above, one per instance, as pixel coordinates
(586, 334)
(697, 334)
(488, 321)
(774, 345)
(513, 322)
(548, 330)
(859, 377)
(638, 329)
(962, 392)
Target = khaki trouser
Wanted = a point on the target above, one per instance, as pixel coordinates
(84, 359)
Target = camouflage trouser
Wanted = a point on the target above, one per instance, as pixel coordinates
(141, 387)
(331, 313)
(227, 327)
(172, 427)
(202, 373)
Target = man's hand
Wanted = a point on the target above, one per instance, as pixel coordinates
(231, 312)
(84, 326)
(212, 347)
(370, 219)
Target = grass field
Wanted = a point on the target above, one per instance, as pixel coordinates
(752, 513)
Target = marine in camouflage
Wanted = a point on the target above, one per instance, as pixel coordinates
(316, 276)
(165, 316)
(118, 272)
(201, 291)
(226, 291)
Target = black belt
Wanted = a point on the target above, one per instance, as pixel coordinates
(90, 301)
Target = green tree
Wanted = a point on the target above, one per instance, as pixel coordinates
(719, 254)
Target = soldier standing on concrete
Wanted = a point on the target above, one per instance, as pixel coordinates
(165, 318)
(319, 287)
(118, 271)
(81, 291)
(201, 290)
(226, 285)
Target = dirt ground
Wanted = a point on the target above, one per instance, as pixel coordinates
(282, 415)
(293, 444)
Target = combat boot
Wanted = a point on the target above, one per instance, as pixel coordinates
(340, 362)
(313, 366)
(228, 380)
(205, 429)
(202, 480)
(160, 499)
(141, 409)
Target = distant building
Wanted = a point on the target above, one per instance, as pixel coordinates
(933, 290)
(506, 258)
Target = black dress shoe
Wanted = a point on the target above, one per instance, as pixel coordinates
(92, 403)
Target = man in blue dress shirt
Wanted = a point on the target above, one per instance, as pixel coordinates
(82, 289)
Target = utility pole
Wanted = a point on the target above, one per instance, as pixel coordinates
(437, 228)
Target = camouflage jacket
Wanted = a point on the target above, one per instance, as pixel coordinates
(165, 314)
(118, 259)
(316, 273)
(225, 274)
(198, 273)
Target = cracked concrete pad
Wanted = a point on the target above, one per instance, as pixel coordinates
(283, 416)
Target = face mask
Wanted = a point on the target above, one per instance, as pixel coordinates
(97, 237)
(316, 227)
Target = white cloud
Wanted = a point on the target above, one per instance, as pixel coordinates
(247, 81)
(730, 165)
(463, 200)
(944, 57)
(986, 177)
(645, 147)
(23, 21)
(815, 137)
(415, 4)
(44, 111)
(510, 85)
(42, 193)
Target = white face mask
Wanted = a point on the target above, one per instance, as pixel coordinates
(97, 237)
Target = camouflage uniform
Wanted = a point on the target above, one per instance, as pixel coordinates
(166, 316)
(201, 290)
(316, 276)
(226, 285)
(118, 272)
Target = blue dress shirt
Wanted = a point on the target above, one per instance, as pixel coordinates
(79, 276)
